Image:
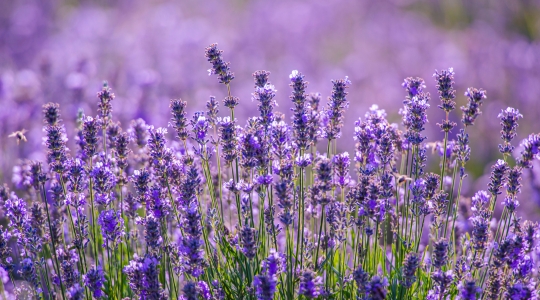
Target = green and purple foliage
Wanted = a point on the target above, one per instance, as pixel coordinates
(262, 211)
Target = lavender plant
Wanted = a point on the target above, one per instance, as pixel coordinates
(262, 212)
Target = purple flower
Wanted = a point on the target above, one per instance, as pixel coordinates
(191, 291)
(265, 283)
(57, 150)
(219, 67)
(90, 136)
(323, 173)
(265, 286)
(418, 192)
(212, 111)
(5, 250)
(112, 227)
(152, 233)
(104, 182)
(463, 150)
(265, 97)
(334, 113)
(76, 176)
(479, 201)
(261, 78)
(228, 138)
(377, 288)
(51, 113)
(68, 264)
(191, 244)
(440, 253)
(76, 292)
(301, 110)
(309, 284)
(413, 86)
(95, 281)
(445, 87)
(518, 291)
(143, 276)
(104, 106)
(28, 272)
(141, 180)
(531, 148)
(472, 110)
(248, 241)
(138, 132)
(341, 168)
(412, 261)
(497, 177)
(200, 128)
(414, 117)
(468, 290)
(509, 122)
(361, 278)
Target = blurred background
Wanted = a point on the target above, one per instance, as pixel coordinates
(151, 51)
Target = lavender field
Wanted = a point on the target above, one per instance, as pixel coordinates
(284, 150)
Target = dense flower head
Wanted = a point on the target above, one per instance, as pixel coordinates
(104, 182)
(228, 138)
(121, 149)
(412, 261)
(261, 78)
(157, 148)
(76, 292)
(497, 177)
(28, 272)
(480, 232)
(463, 150)
(266, 102)
(413, 86)
(212, 110)
(51, 113)
(248, 241)
(200, 125)
(104, 106)
(468, 290)
(179, 120)
(445, 87)
(341, 168)
(377, 288)
(112, 227)
(509, 122)
(68, 264)
(440, 253)
(90, 135)
(142, 273)
(472, 110)
(334, 113)
(152, 233)
(5, 250)
(55, 142)
(138, 131)
(309, 284)
(531, 150)
(414, 117)
(219, 67)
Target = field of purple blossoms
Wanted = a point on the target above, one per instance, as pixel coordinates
(270, 209)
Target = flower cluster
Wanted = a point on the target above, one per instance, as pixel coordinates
(260, 211)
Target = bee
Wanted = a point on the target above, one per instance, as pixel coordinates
(19, 135)
(402, 178)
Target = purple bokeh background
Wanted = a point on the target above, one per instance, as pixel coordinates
(152, 51)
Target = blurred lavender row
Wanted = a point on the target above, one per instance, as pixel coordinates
(149, 51)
